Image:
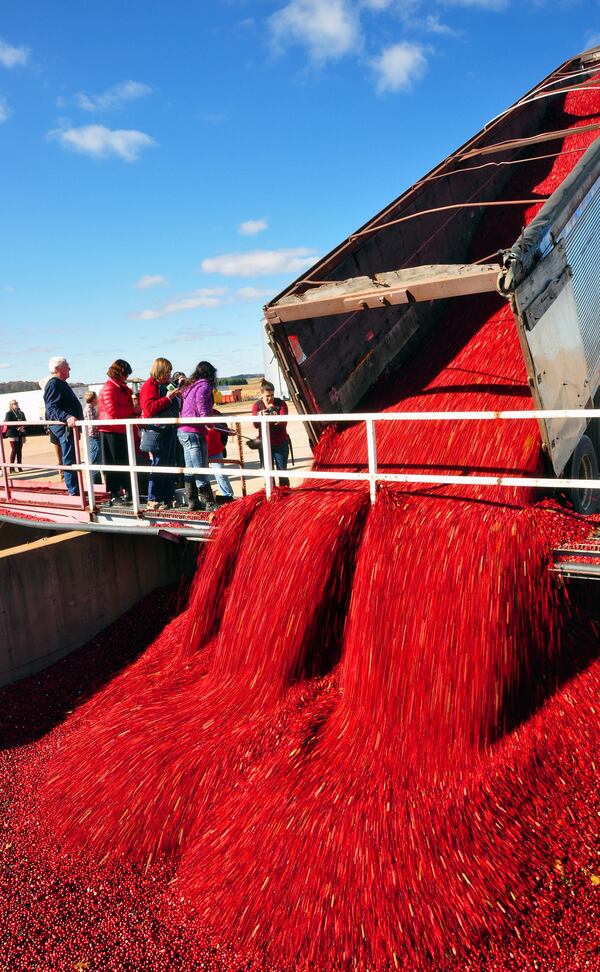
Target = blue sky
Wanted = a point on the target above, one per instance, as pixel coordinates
(167, 166)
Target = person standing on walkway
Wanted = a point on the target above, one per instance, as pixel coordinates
(160, 401)
(198, 402)
(16, 434)
(62, 405)
(90, 414)
(116, 402)
(216, 444)
(280, 446)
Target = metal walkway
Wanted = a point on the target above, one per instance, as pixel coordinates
(53, 509)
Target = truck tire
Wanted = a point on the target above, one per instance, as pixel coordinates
(584, 465)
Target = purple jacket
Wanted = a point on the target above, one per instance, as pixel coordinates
(197, 401)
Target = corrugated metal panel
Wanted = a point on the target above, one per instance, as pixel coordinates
(582, 246)
(560, 377)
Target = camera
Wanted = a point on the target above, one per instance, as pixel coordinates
(177, 380)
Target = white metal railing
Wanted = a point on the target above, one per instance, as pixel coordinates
(269, 473)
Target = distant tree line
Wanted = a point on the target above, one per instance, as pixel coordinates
(237, 379)
(23, 386)
(18, 386)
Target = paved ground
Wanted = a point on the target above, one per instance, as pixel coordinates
(38, 451)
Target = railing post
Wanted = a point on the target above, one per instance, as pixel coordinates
(372, 455)
(135, 489)
(75, 434)
(89, 476)
(266, 451)
(5, 475)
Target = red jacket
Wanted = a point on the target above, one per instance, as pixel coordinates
(214, 441)
(114, 402)
(151, 400)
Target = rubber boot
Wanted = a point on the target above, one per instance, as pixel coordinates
(191, 495)
(206, 497)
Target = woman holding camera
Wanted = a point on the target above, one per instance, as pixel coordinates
(280, 447)
(160, 399)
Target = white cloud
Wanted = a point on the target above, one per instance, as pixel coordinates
(101, 143)
(376, 4)
(592, 40)
(327, 28)
(398, 66)
(434, 25)
(151, 280)
(214, 117)
(252, 226)
(484, 4)
(194, 335)
(113, 97)
(12, 56)
(5, 364)
(252, 293)
(5, 111)
(260, 262)
(405, 9)
(207, 297)
(8, 289)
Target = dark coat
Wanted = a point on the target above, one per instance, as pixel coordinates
(13, 432)
(61, 402)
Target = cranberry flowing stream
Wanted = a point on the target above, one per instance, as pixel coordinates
(368, 738)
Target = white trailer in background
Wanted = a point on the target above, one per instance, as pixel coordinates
(272, 369)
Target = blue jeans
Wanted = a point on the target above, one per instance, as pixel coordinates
(94, 446)
(279, 459)
(162, 487)
(223, 482)
(94, 450)
(66, 437)
(195, 453)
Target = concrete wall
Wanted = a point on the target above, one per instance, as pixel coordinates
(58, 592)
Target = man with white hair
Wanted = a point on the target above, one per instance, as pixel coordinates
(62, 405)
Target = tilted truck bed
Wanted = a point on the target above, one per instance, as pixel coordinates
(364, 308)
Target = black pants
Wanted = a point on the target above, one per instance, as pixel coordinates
(113, 452)
(16, 451)
(161, 488)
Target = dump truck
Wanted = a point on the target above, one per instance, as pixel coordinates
(363, 310)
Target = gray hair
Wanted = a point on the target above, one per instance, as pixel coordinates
(55, 363)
